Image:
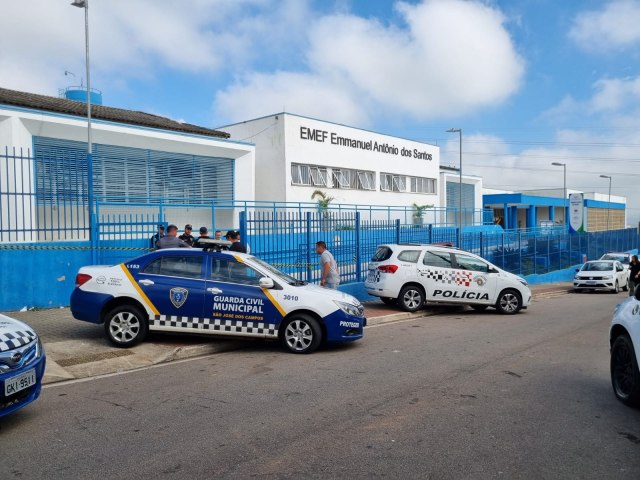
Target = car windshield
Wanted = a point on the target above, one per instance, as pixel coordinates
(277, 273)
(382, 254)
(597, 267)
(615, 256)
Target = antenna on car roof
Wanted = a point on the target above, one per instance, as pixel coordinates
(211, 244)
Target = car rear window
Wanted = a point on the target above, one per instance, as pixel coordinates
(382, 253)
(409, 256)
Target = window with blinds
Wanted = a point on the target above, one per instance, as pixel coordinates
(126, 174)
(393, 183)
(422, 185)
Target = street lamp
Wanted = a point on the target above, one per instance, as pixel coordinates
(85, 4)
(609, 203)
(459, 131)
(564, 188)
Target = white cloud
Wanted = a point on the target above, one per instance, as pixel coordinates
(449, 57)
(615, 26)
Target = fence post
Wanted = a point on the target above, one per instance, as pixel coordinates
(308, 243)
(431, 233)
(397, 230)
(519, 252)
(481, 245)
(243, 226)
(358, 259)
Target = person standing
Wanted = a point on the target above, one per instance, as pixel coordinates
(171, 240)
(156, 237)
(634, 274)
(218, 235)
(330, 278)
(204, 233)
(186, 237)
(236, 245)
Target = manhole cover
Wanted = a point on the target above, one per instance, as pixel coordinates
(92, 357)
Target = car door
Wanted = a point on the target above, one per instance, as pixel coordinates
(234, 302)
(174, 283)
(436, 274)
(621, 274)
(475, 280)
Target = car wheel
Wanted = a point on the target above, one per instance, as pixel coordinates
(616, 287)
(509, 302)
(389, 300)
(411, 298)
(626, 286)
(479, 308)
(625, 377)
(301, 334)
(125, 326)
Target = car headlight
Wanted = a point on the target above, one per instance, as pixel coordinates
(607, 277)
(39, 348)
(350, 309)
(576, 277)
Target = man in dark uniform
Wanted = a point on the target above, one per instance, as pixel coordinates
(634, 274)
(234, 238)
(204, 233)
(186, 237)
(155, 238)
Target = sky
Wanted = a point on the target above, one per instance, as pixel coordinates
(529, 82)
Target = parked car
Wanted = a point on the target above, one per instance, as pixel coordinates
(624, 341)
(22, 364)
(623, 257)
(413, 275)
(601, 275)
(211, 291)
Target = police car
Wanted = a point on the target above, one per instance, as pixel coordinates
(624, 340)
(22, 363)
(212, 291)
(413, 274)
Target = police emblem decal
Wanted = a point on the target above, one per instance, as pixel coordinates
(480, 280)
(178, 296)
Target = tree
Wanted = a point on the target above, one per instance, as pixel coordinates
(418, 211)
(323, 201)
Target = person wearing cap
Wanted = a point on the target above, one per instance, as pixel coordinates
(156, 237)
(186, 237)
(204, 233)
(234, 238)
(171, 240)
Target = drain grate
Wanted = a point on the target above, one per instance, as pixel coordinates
(92, 357)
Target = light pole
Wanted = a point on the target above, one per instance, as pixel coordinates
(564, 189)
(85, 4)
(459, 131)
(609, 203)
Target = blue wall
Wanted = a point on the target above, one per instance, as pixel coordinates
(40, 278)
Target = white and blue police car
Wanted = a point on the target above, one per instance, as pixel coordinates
(212, 291)
(22, 364)
(624, 341)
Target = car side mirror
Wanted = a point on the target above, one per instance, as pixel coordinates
(266, 282)
(577, 270)
(493, 270)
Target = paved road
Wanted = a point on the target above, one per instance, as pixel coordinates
(462, 395)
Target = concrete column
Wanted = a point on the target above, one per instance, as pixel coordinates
(552, 213)
(514, 216)
(506, 216)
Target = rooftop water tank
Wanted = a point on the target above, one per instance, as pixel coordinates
(79, 94)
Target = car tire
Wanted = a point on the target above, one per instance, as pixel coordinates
(509, 302)
(616, 287)
(625, 377)
(125, 326)
(626, 286)
(389, 300)
(479, 308)
(301, 333)
(411, 298)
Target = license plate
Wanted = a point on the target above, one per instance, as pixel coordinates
(19, 382)
(591, 282)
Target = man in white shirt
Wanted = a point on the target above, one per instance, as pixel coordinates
(330, 278)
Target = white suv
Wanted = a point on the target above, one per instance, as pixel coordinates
(413, 274)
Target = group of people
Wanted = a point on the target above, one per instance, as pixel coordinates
(170, 239)
(330, 277)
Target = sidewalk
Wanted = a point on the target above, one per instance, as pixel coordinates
(78, 349)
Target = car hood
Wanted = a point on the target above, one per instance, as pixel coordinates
(333, 294)
(12, 329)
(595, 273)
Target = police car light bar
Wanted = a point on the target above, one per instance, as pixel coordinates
(211, 244)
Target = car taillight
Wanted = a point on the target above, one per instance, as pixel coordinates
(388, 268)
(82, 278)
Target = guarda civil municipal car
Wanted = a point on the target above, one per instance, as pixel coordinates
(22, 363)
(213, 292)
(624, 340)
(412, 275)
(601, 275)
